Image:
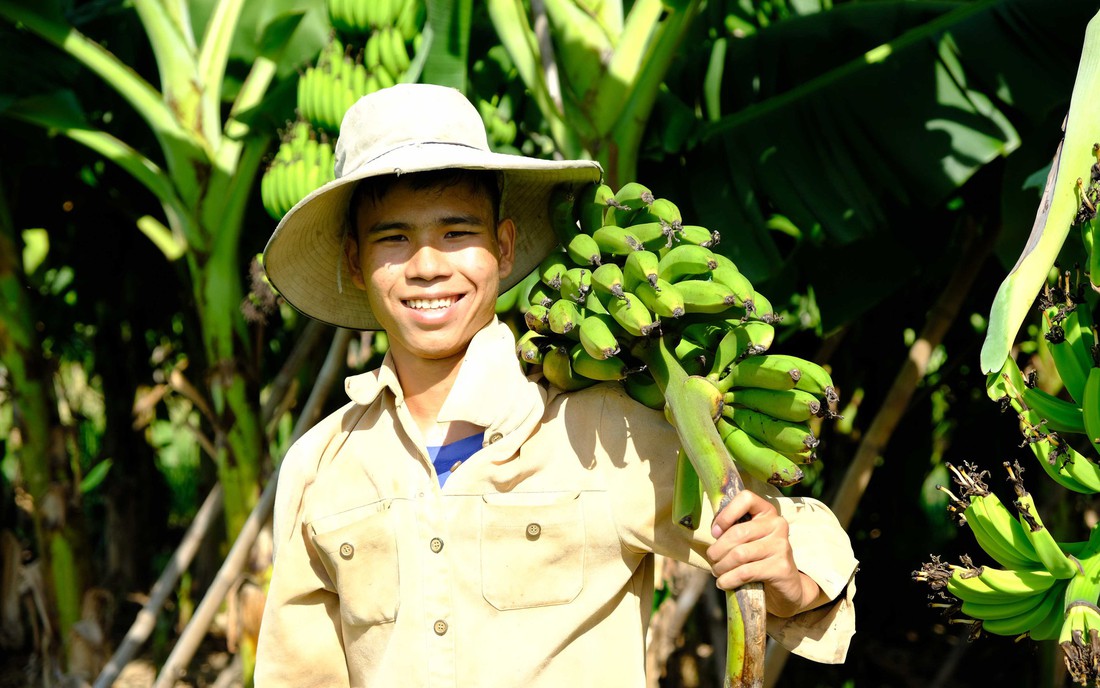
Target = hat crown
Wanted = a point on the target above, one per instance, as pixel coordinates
(406, 115)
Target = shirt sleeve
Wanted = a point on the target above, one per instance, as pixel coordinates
(642, 499)
(300, 642)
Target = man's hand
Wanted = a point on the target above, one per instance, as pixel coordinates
(759, 550)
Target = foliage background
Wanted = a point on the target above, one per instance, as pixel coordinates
(849, 152)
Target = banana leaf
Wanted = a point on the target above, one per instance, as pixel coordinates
(1056, 212)
(863, 137)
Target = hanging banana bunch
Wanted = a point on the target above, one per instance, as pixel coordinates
(370, 51)
(303, 163)
(637, 296)
(1046, 589)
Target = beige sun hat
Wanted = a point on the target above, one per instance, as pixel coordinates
(398, 130)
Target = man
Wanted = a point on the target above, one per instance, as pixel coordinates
(526, 556)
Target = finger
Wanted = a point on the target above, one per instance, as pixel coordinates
(744, 502)
(741, 534)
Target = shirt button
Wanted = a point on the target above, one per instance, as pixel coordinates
(495, 437)
(455, 466)
(440, 627)
(533, 530)
(436, 545)
(346, 550)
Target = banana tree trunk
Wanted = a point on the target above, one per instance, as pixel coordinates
(45, 474)
(238, 439)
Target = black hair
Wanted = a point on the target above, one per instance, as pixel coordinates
(375, 188)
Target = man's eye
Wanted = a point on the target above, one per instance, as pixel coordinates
(455, 233)
(390, 238)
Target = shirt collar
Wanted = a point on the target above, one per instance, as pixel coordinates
(490, 391)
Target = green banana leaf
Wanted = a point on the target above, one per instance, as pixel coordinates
(862, 138)
(448, 30)
(1056, 212)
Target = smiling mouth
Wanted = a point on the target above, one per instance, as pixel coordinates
(430, 304)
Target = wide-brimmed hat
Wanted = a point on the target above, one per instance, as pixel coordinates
(398, 130)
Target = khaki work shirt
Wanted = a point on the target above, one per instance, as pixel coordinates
(533, 564)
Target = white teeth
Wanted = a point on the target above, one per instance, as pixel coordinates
(430, 304)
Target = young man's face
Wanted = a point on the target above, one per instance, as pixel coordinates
(430, 261)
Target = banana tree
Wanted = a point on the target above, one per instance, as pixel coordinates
(594, 70)
(210, 156)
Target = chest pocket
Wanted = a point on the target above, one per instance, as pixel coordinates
(532, 549)
(359, 552)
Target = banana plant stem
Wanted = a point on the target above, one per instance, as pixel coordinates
(695, 403)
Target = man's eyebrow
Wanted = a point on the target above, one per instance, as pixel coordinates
(444, 221)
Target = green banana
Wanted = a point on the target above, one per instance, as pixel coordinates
(686, 260)
(770, 371)
(1090, 408)
(591, 204)
(557, 368)
(1070, 368)
(562, 220)
(738, 284)
(701, 296)
(1058, 460)
(700, 236)
(645, 391)
(608, 279)
(583, 250)
(552, 269)
(792, 405)
(664, 299)
(541, 295)
(1006, 610)
(653, 236)
(782, 436)
(706, 334)
(1047, 550)
(691, 356)
(627, 201)
(602, 369)
(665, 211)
(537, 319)
(575, 284)
(1016, 581)
(529, 347)
(616, 241)
(1060, 415)
(597, 335)
(564, 316)
(758, 459)
(632, 315)
(966, 584)
(640, 267)
(743, 339)
(687, 493)
(1024, 621)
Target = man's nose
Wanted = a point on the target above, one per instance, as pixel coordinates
(427, 262)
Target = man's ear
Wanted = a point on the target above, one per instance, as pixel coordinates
(351, 256)
(506, 243)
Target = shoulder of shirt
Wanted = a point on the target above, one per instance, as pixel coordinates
(603, 398)
(302, 460)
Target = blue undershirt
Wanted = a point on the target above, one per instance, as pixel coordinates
(446, 456)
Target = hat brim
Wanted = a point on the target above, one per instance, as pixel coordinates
(304, 258)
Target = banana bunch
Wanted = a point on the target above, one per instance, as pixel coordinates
(360, 17)
(1046, 589)
(303, 162)
(326, 90)
(1029, 595)
(637, 296)
(630, 272)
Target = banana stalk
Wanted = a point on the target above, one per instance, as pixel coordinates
(693, 404)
